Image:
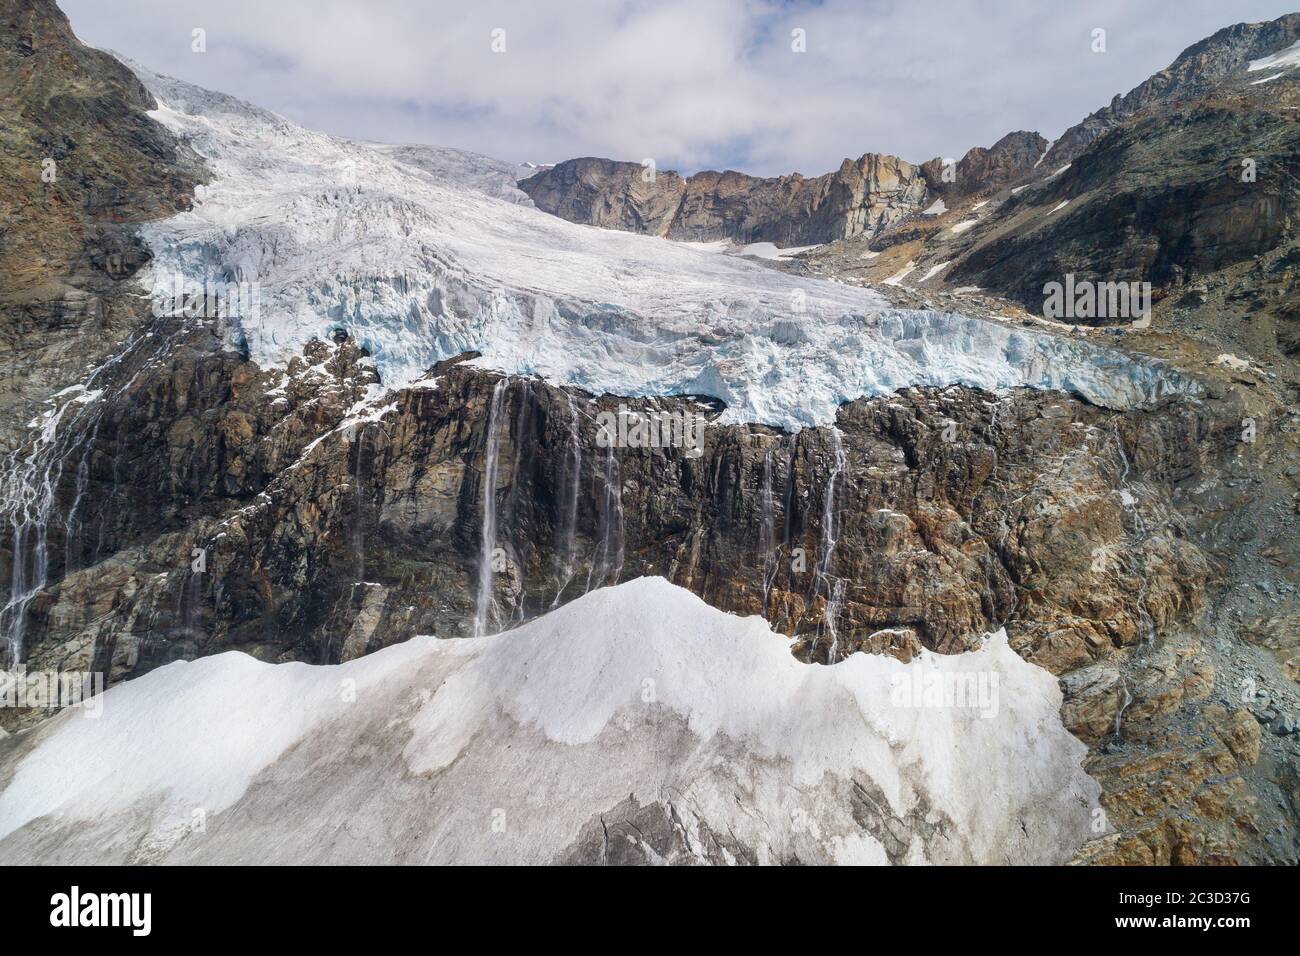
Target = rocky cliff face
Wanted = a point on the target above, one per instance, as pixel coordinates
(81, 164)
(1193, 189)
(882, 533)
(1194, 192)
(1154, 200)
(213, 506)
(859, 198)
(1008, 162)
(80, 167)
(609, 194)
(862, 199)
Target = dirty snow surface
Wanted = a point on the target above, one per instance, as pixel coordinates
(425, 253)
(635, 723)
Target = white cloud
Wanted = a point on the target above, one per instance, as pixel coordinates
(691, 83)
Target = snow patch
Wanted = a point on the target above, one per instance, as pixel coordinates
(1283, 58)
(769, 250)
(639, 689)
(898, 277)
(1228, 360)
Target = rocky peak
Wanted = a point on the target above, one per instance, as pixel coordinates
(609, 194)
(1009, 161)
(1199, 69)
(78, 155)
(862, 196)
(81, 164)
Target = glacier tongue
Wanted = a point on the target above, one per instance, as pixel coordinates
(634, 702)
(401, 247)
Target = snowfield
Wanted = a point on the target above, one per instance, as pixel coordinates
(633, 703)
(1283, 59)
(424, 253)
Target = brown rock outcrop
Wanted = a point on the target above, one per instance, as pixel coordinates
(1009, 161)
(861, 197)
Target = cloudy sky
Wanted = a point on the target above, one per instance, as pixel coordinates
(690, 83)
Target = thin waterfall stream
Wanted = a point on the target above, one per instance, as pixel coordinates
(568, 527)
(834, 589)
(491, 450)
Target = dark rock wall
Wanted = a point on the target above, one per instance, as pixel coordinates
(950, 512)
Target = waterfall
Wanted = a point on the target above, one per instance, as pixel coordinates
(609, 551)
(568, 524)
(1129, 502)
(1125, 700)
(28, 511)
(995, 480)
(786, 530)
(30, 475)
(768, 531)
(834, 603)
(835, 591)
(358, 530)
(525, 446)
(492, 447)
(29, 486)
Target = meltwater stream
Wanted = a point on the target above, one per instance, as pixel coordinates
(609, 549)
(487, 555)
(833, 588)
(567, 531)
(31, 475)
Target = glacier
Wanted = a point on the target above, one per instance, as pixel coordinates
(530, 745)
(424, 253)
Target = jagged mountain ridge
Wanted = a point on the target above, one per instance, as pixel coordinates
(747, 209)
(1198, 70)
(864, 197)
(82, 167)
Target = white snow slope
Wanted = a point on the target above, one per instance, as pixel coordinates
(522, 747)
(1283, 59)
(401, 246)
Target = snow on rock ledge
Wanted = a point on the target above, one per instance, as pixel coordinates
(404, 248)
(635, 702)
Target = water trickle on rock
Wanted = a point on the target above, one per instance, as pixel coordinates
(566, 552)
(30, 476)
(609, 551)
(823, 583)
(767, 532)
(491, 450)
